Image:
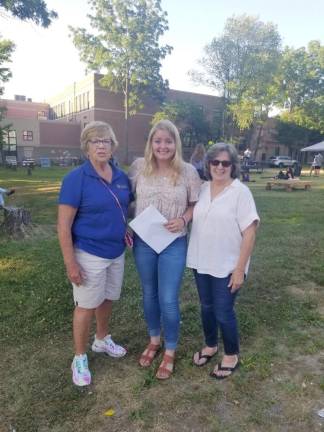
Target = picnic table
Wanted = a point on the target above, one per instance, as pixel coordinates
(289, 185)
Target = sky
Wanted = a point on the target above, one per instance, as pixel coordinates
(45, 60)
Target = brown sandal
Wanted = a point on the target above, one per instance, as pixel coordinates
(167, 360)
(152, 351)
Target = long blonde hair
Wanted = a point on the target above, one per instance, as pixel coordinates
(176, 162)
(198, 154)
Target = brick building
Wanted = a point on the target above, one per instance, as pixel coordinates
(53, 129)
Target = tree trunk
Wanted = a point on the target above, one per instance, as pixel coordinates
(16, 220)
(258, 140)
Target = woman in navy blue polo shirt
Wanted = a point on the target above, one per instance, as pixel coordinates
(91, 227)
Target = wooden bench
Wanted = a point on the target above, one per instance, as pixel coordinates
(289, 185)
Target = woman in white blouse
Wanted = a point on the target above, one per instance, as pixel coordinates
(221, 242)
(164, 180)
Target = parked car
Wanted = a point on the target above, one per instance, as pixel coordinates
(28, 163)
(282, 161)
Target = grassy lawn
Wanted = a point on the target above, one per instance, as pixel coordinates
(279, 388)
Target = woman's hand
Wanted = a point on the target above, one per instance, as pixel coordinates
(236, 280)
(75, 273)
(175, 225)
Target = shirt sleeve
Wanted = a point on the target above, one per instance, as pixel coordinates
(71, 190)
(193, 183)
(246, 209)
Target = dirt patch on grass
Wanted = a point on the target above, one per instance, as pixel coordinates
(308, 289)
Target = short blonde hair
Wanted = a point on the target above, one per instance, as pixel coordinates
(176, 162)
(97, 129)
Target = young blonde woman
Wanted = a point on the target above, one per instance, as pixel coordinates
(164, 180)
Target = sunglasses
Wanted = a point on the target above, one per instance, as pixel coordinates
(224, 163)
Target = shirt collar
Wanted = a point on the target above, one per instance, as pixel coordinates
(90, 171)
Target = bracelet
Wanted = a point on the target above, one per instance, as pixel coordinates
(183, 220)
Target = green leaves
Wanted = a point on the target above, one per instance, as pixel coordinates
(240, 64)
(189, 117)
(301, 86)
(125, 47)
(30, 10)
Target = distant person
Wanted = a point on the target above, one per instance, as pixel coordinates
(316, 164)
(6, 192)
(198, 159)
(281, 175)
(285, 175)
(247, 156)
(92, 213)
(289, 173)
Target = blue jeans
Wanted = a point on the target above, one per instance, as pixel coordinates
(217, 311)
(161, 276)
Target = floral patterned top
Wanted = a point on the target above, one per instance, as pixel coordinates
(170, 199)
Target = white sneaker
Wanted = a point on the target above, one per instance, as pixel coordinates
(81, 375)
(108, 346)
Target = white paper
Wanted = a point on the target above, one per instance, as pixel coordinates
(149, 226)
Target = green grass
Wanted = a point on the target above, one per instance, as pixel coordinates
(281, 313)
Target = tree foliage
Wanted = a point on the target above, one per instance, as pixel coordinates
(294, 136)
(6, 49)
(26, 10)
(29, 10)
(241, 64)
(125, 48)
(300, 83)
(190, 119)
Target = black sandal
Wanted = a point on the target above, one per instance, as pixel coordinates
(206, 357)
(213, 374)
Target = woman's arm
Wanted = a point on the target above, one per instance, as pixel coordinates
(66, 215)
(177, 224)
(247, 245)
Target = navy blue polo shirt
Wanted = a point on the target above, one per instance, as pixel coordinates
(98, 227)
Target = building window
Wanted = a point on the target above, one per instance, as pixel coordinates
(42, 115)
(28, 135)
(10, 141)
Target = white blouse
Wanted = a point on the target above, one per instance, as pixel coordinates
(217, 227)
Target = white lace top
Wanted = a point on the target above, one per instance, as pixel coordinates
(170, 199)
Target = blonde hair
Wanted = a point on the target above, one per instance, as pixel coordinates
(199, 153)
(97, 129)
(176, 162)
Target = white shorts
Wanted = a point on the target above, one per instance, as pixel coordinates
(103, 279)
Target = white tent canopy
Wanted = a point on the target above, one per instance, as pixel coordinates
(319, 147)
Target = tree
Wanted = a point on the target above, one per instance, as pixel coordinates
(126, 49)
(190, 119)
(29, 10)
(33, 10)
(301, 86)
(240, 64)
(6, 49)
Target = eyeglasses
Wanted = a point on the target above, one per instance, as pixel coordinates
(97, 142)
(224, 163)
